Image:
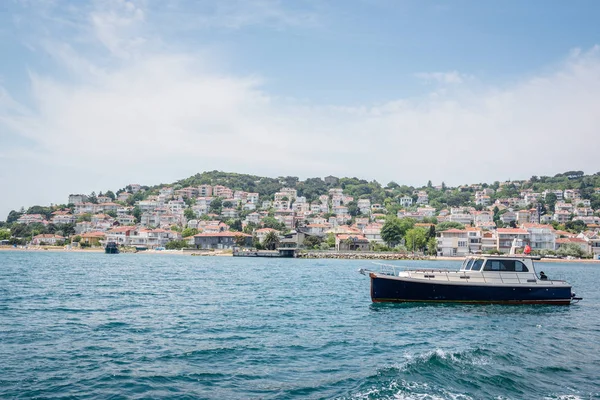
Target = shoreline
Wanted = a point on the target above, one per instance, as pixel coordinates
(306, 256)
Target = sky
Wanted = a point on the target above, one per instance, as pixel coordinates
(95, 95)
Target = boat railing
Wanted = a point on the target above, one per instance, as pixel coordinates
(515, 277)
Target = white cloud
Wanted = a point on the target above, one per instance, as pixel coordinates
(152, 115)
(451, 77)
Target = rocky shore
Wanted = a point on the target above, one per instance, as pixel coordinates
(363, 256)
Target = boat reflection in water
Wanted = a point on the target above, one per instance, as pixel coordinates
(481, 279)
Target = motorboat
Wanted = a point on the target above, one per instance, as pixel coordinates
(493, 279)
(111, 248)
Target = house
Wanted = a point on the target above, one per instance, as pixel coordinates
(562, 216)
(229, 213)
(64, 219)
(507, 236)
(262, 233)
(541, 237)
(465, 219)
(453, 242)
(508, 217)
(205, 190)
(121, 235)
(221, 240)
(345, 242)
(123, 196)
(474, 236)
(32, 219)
(523, 216)
(92, 239)
(406, 201)
(126, 219)
(316, 229)
(47, 239)
(77, 198)
(253, 217)
(582, 243)
(593, 239)
(373, 232)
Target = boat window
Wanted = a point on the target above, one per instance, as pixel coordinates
(505, 265)
(468, 264)
(477, 265)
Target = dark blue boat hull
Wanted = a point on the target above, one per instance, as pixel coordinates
(395, 290)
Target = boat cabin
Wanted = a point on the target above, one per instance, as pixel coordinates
(499, 264)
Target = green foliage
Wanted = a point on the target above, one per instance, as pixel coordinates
(393, 229)
(444, 226)
(270, 222)
(216, 205)
(13, 216)
(112, 214)
(77, 239)
(235, 224)
(110, 194)
(416, 238)
(45, 211)
(271, 241)
(176, 245)
(137, 214)
(240, 240)
(187, 232)
(575, 226)
(571, 249)
(4, 234)
(312, 242)
(432, 246)
(188, 213)
(330, 240)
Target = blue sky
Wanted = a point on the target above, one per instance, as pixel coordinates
(96, 95)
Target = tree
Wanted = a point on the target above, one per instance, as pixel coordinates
(270, 222)
(227, 204)
(432, 246)
(13, 216)
(391, 232)
(550, 201)
(110, 194)
(137, 214)
(330, 240)
(240, 240)
(176, 245)
(271, 241)
(187, 232)
(416, 238)
(444, 226)
(216, 205)
(312, 242)
(4, 234)
(576, 226)
(112, 213)
(189, 213)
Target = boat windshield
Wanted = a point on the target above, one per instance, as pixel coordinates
(467, 264)
(476, 266)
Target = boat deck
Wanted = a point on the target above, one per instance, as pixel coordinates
(469, 277)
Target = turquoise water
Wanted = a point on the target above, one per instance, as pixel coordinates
(96, 326)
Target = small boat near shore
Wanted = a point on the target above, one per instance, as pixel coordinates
(481, 279)
(111, 248)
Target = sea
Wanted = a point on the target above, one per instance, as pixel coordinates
(142, 326)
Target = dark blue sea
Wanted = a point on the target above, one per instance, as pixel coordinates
(96, 326)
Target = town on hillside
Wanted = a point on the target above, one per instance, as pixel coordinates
(556, 216)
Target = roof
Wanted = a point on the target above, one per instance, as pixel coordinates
(359, 238)
(515, 231)
(222, 234)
